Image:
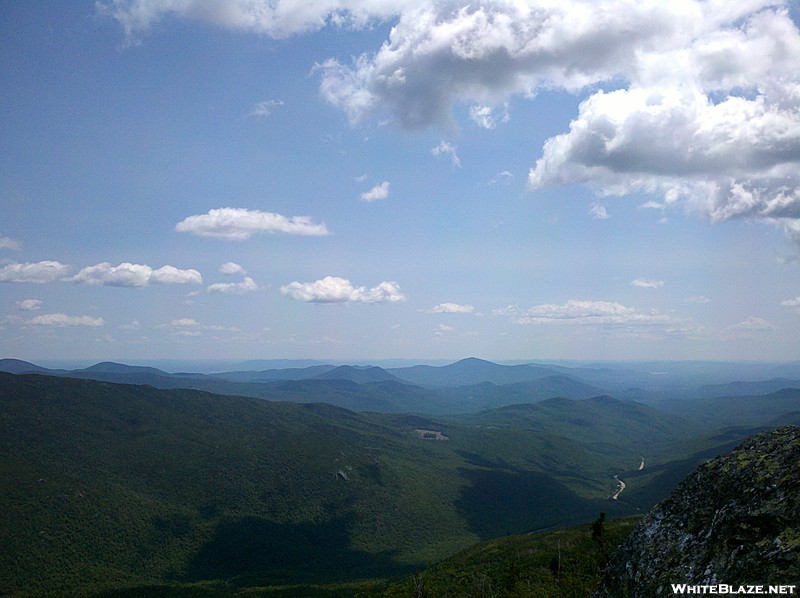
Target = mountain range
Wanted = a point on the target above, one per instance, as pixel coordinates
(466, 386)
(120, 478)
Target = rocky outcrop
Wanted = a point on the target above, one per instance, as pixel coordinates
(735, 520)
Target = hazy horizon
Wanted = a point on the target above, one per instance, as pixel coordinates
(363, 181)
(754, 369)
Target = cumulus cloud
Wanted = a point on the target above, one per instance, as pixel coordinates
(38, 272)
(735, 158)
(704, 112)
(447, 148)
(248, 285)
(332, 289)
(62, 320)
(9, 243)
(791, 302)
(452, 308)
(712, 125)
(377, 192)
(646, 283)
(438, 55)
(264, 109)
(29, 304)
(135, 275)
(239, 224)
(584, 312)
(231, 268)
(693, 101)
(172, 275)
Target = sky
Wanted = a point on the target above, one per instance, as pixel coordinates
(376, 179)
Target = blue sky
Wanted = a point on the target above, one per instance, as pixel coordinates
(393, 179)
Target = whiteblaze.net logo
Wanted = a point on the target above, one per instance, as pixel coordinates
(723, 589)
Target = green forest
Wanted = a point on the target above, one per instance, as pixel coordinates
(113, 488)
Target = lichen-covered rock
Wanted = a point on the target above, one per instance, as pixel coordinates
(734, 520)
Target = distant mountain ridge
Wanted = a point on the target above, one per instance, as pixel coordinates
(111, 367)
(360, 375)
(298, 373)
(466, 386)
(470, 371)
(18, 366)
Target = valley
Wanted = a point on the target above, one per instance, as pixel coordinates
(120, 477)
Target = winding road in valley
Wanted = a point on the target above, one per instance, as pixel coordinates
(620, 488)
(621, 484)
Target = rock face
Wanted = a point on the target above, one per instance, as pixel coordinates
(735, 520)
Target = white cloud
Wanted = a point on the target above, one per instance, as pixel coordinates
(447, 148)
(711, 124)
(439, 55)
(599, 211)
(584, 313)
(61, 320)
(753, 324)
(132, 326)
(9, 243)
(332, 289)
(486, 117)
(135, 275)
(791, 302)
(646, 283)
(443, 329)
(276, 18)
(231, 268)
(173, 275)
(697, 99)
(377, 192)
(705, 110)
(698, 299)
(264, 109)
(184, 323)
(248, 285)
(239, 224)
(502, 177)
(39, 272)
(191, 327)
(29, 304)
(452, 308)
(738, 157)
